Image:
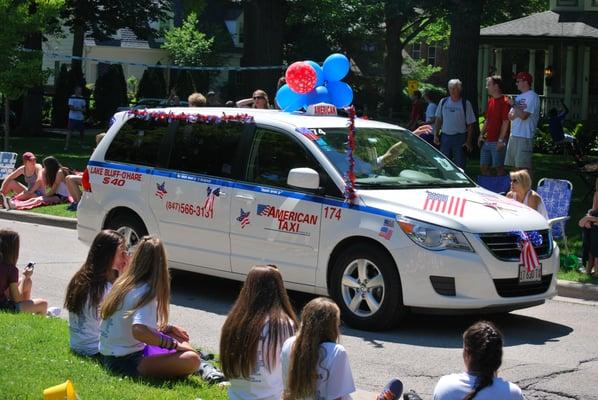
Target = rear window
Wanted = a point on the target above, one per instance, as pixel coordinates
(139, 142)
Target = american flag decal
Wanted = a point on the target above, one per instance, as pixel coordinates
(308, 133)
(161, 190)
(389, 223)
(263, 209)
(208, 205)
(243, 218)
(445, 204)
(385, 232)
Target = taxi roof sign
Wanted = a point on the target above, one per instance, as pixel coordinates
(321, 109)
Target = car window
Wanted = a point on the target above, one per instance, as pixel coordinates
(273, 155)
(206, 148)
(138, 142)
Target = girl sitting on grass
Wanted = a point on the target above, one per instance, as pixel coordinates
(135, 315)
(15, 296)
(252, 335)
(107, 258)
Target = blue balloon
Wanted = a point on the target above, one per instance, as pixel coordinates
(336, 66)
(341, 94)
(288, 100)
(319, 72)
(317, 95)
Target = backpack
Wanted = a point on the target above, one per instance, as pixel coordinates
(463, 101)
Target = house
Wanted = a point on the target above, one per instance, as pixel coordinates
(558, 47)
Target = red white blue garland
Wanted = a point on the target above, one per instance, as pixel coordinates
(191, 117)
(350, 176)
(527, 242)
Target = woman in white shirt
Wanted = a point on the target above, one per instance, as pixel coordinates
(252, 335)
(482, 355)
(107, 257)
(135, 317)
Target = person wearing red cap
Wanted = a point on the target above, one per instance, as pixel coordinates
(32, 175)
(524, 116)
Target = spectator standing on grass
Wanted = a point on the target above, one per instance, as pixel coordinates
(107, 258)
(15, 295)
(32, 174)
(252, 336)
(482, 356)
(495, 132)
(455, 118)
(524, 116)
(77, 106)
(589, 225)
(135, 319)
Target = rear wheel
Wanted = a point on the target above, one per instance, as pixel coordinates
(365, 284)
(130, 226)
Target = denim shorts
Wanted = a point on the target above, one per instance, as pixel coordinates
(490, 156)
(123, 365)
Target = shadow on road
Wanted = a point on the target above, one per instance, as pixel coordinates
(217, 295)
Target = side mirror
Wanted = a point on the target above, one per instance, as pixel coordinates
(304, 178)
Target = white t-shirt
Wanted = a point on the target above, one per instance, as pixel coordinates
(456, 386)
(335, 379)
(262, 384)
(84, 328)
(78, 102)
(527, 128)
(453, 117)
(116, 337)
(431, 111)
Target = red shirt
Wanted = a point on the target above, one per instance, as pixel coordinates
(8, 274)
(497, 111)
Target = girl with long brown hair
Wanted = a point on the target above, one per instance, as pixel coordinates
(259, 323)
(135, 316)
(107, 257)
(482, 355)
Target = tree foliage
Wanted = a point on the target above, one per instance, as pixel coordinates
(110, 92)
(186, 44)
(152, 84)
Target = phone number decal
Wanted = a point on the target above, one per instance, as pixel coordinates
(189, 209)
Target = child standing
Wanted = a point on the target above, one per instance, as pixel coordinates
(15, 296)
(252, 335)
(107, 257)
(135, 315)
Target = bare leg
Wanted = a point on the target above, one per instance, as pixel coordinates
(500, 170)
(25, 286)
(12, 186)
(68, 139)
(181, 363)
(484, 169)
(72, 184)
(35, 306)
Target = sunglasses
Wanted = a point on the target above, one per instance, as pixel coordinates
(514, 181)
(259, 97)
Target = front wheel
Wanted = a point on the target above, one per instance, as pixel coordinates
(130, 227)
(365, 284)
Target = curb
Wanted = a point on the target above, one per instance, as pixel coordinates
(584, 291)
(41, 219)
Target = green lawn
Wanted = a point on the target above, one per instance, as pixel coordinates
(34, 355)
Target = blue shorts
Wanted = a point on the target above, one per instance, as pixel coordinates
(76, 125)
(123, 365)
(490, 156)
(9, 306)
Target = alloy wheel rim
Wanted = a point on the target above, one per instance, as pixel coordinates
(363, 287)
(131, 237)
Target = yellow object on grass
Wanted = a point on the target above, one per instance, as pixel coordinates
(64, 391)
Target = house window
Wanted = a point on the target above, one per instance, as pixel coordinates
(432, 55)
(568, 3)
(416, 51)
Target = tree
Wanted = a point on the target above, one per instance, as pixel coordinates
(110, 92)
(104, 17)
(152, 84)
(21, 69)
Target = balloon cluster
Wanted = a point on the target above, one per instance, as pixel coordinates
(308, 83)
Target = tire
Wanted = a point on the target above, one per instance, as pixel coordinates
(130, 226)
(381, 304)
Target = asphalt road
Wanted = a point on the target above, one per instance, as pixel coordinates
(551, 350)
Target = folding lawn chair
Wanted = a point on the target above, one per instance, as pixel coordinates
(497, 184)
(556, 195)
(7, 163)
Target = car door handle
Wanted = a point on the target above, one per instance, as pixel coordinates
(246, 197)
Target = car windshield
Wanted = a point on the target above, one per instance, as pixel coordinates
(389, 158)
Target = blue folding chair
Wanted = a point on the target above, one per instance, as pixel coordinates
(497, 184)
(556, 195)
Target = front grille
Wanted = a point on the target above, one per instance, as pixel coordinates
(512, 288)
(504, 245)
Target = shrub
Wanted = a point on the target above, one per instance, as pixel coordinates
(110, 93)
(152, 84)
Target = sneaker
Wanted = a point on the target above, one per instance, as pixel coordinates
(411, 396)
(210, 373)
(392, 391)
(54, 311)
(73, 206)
(3, 201)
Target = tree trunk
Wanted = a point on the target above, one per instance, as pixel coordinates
(465, 20)
(6, 122)
(78, 42)
(263, 44)
(394, 59)
(31, 111)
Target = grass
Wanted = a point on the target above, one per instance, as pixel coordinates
(576, 276)
(34, 355)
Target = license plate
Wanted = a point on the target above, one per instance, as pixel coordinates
(534, 276)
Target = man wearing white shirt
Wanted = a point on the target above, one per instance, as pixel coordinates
(76, 118)
(524, 116)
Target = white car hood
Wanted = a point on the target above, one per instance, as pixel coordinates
(474, 210)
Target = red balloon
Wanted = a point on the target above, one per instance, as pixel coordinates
(301, 77)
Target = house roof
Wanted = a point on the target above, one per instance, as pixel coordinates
(561, 24)
(125, 38)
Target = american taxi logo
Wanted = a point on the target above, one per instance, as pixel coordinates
(288, 221)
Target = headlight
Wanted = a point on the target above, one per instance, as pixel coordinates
(433, 237)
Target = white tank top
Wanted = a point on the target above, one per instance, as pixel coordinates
(541, 207)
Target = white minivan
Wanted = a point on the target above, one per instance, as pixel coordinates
(225, 191)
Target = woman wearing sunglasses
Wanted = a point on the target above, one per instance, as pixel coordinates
(258, 100)
(521, 190)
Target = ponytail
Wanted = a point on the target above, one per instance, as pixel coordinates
(483, 344)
